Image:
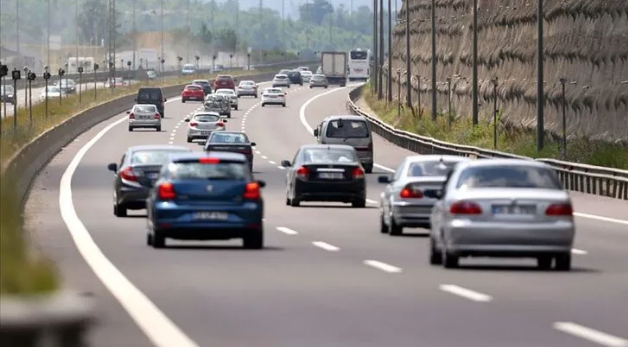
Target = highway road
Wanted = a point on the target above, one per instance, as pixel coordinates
(327, 277)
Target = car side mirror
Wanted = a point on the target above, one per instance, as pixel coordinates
(225, 121)
(262, 184)
(187, 120)
(112, 167)
(285, 163)
(128, 112)
(165, 99)
(253, 144)
(384, 179)
(315, 132)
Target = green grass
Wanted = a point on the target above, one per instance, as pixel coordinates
(510, 139)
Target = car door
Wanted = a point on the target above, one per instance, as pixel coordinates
(290, 175)
(438, 210)
(387, 195)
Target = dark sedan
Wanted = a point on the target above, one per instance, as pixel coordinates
(325, 173)
(137, 172)
(205, 84)
(295, 77)
(231, 141)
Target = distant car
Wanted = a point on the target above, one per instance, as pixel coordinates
(231, 141)
(503, 208)
(325, 173)
(67, 85)
(144, 116)
(218, 103)
(202, 124)
(273, 96)
(348, 130)
(224, 82)
(281, 81)
(231, 94)
(247, 88)
(188, 69)
(303, 68)
(53, 92)
(151, 74)
(206, 196)
(319, 70)
(306, 75)
(193, 92)
(207, 87)
(134, 176)
(409, 197)
(117, 82)
(153, 96)
(319, 80)
(7, 94)
(295, 77)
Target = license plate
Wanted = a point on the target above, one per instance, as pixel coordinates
(144, 117)
(211, 215)
(153, 175)
(331, 175)
(205, 133)
(516, 210)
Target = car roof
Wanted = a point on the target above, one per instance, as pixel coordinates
(345, 117)
(219, 155)
(247, 81)
(204, 113)
(158, 148)
(149, 105)
(200, 81)
(225, 89)
(435, 157)
(281, 75)
(505, 162)
(150, 88)
(329, 147)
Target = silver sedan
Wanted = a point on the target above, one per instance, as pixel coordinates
(410, 195)
(203, 123)
(503, 208)
(144, 116)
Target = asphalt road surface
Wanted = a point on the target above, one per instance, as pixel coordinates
(327, 277)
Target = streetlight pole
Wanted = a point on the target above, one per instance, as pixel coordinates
(390, 92)
(48, 25)
(434, 106)
(161, 26)
(398, 91)
(475, 64)
(381, 50)
(540, 90)
(189, 33)
(495, 111)
(449, 114)
(134, 33)
(408, 60)
(564, 104)
(374, 67)
(77, 32)
(17, 33)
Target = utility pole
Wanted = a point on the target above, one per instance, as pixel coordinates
(77, 33)
(307, 25)
(235, 31)
(540, 87)
(475, 64)
(351, 16)
(434, 101)
(48, 24)
(380, 92)
(408, 60)
(189, 31)
(112, 40)
(331, 24)
(389, 86)
(374, 68)
(283, 25)
(213, 27)
(161, 25)
(134, 34)
(17, 28)
(261, 29)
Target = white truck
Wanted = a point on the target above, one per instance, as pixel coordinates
(334, 67)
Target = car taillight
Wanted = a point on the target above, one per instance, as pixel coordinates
(303, 172)
(165, 191)
(465, 207)
(157, 116)
(559, 210)
(127, 174)
(357, 173)
(193, 124)
(251, 191)
(209, 160)
(131, 115)
(222, 125)
(407, 193)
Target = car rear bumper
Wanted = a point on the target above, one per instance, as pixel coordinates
(133, 198)
(274, 101)
(148, 123)
(330, 191)
(197, 134)
(318, 84)
(281, 84)
(246, 92)
(412, 215)
(193, 97)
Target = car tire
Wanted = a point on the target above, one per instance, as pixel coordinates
(436, 258)
(294, 202)
(159, 241)
(158, 129)
(368, 168)
(383, 228)
(263, 104)
(254, 240)
(563, 262)
(326, 87)
(310, 87)
(394, 229)
(149, 239)
(361, 203)
(255, 96)
(450, 261)
(119, 210)
(235, 108)
(544, 262)
(287, 201)
(283, 105)
(189, 139)
(130, 128)
(182, 101)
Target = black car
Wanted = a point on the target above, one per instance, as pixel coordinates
(295, 77)
(231, 141)
(325, 173)
(152, 96)
(138, 170)
(207, 87)
(7, 94)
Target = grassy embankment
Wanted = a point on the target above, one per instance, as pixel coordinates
(509, 139)
(20, 272)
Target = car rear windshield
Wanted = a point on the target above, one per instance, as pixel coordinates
(193, 88)
(203, 83)
(509, 177)
(225, 92)
(152, 157)
(220, 137)
(144, 109)
(236, 171)
(224, 78)
(207, 118)
(329, 156)
(247, 83)
(274, 91)
(281, 77)
(347, 129)
(359, 55)
(430, 168)
(149, 95)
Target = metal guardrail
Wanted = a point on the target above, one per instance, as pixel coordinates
(583, 178)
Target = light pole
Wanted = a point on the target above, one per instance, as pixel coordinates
(15, 75)
(418, 94)
(48, 25)
(374, 66)
(96, 67)
(61, 72)
(189, 33)
(213, 63)
(398, 91)
(390, 92)
(46, 78)
(563, 151)
(179, 59)
(77, 31)
(31, 77)
(408, 60)
(475, 64)
(80, 71)
(381, 49)
(230, 61)
(540, 88)
(134, 33)
(161, 26)
(495, 82)
(434, 106)
(449, 115)
(248, 61)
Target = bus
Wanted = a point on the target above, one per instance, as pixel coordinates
(359, 64)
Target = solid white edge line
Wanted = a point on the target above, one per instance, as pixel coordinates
(152, 321)
(592, 335)
(465, 293)
(287, 231)
(579, 251)
(382, 266)
(370, 201)
(271, 162)
(326, 246)
(264, 157)
(600, 218)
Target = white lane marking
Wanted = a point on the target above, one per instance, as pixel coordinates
(370, 201)
(281, 167)
(578, 251)
(307, 103)
(153, 322)
(600, 218)
(264, 157)
(592, 335)
(382, 266)
(258, 152)
(287, 230)
(326, 246)
(271, 162)
(465, 293)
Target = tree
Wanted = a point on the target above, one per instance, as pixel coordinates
(205, 35)
(226, 39)
(316, 11)
(92, 21)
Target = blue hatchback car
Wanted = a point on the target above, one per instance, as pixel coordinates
(206, 196)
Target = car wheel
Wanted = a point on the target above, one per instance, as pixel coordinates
(189, 139)
(394, 229)
(310, 87)
(368, 168)
(235, 108)
(563, 262)
(229, 115)
(254, 240)
(544, 262)
(183, 101)
(119, 210)
(436, 258)
(159, 241)
(449, 260)
(383, 228)
(130, 128)
(158, 129)
(283, 105)
(361, 203)
(326, 87)
(149, 239)
(294, 202)
(263, 104)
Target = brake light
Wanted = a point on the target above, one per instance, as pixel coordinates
(559, 210)
(220, 124)
(465, 207)
(166, 191)
(131, 115)
(157, 116)
(357, 173)
(127, 174)
(193, 124)
(209, 160)
(408, 193)
(251, 191)
(303, 172)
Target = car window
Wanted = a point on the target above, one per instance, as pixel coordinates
(399, 171)
(224, 78)
(7, 89)
(274, 91)
(347, 129)
(224, 92)
(144, 108)
(206, 118)
(152, 157)
(149, 95)
(329, 156)
(193, 88)
(220, 137)
(430, 168)
(508, 177)
(237, 171)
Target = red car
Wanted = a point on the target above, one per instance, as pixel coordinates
(193, 92)
(224, 82)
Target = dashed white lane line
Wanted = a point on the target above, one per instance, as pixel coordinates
(264, 157)
(382, 266)
(326, 246)
(589, 334)
(281, 167)
(579, 251)
(465, 293)
(287, 231)
(258, 152)
(271, 162)
(370, 201)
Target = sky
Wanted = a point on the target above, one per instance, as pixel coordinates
(292, 6)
